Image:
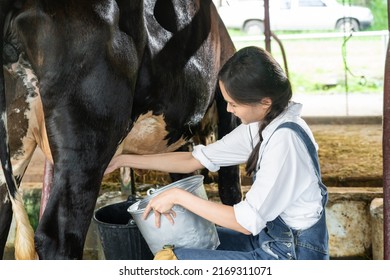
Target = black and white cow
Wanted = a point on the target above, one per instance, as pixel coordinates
(84, 80)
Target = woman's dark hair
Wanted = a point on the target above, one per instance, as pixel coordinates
(250, 75)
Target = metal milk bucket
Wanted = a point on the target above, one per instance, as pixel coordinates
(188, 231)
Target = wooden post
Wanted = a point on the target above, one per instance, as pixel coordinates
(386, 151)
(267, 26)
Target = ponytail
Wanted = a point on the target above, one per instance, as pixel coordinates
(251, 163)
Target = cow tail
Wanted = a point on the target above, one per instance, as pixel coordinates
(24, 239)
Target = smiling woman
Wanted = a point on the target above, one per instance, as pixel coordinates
(287, 195)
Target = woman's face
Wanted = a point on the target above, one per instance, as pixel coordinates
(246, 113)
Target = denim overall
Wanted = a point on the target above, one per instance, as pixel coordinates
(276, 241)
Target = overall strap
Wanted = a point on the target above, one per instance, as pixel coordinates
(309, 144)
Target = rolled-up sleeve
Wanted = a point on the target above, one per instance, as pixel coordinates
(204, 160)
(248, 217)
(233, 149)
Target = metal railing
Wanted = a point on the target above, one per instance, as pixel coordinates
(323, 35)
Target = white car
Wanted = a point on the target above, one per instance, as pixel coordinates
(248, 15)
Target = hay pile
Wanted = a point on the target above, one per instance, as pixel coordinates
(350, 155)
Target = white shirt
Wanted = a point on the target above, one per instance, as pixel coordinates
(286, 183)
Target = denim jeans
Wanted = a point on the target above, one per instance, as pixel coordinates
(277, 241)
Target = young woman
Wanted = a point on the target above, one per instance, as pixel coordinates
(283, 214)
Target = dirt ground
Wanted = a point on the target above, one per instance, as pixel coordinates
(350, 155)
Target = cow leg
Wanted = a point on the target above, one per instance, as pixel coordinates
(82, 146)
(46, 186)
(127, 180)
(217, 123)
(5, 218)
(228, 177)
(64, 224)
(80, 159)
(78, 173)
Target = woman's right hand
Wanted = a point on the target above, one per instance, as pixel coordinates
(162, 204)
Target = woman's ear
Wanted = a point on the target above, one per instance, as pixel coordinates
(266, 101)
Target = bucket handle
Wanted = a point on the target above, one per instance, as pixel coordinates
(150, 191)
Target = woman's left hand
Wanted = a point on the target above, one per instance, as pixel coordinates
(162, 204)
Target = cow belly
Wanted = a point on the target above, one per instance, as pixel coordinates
(148, 136)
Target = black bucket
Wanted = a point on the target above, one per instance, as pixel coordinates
(119, 235)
